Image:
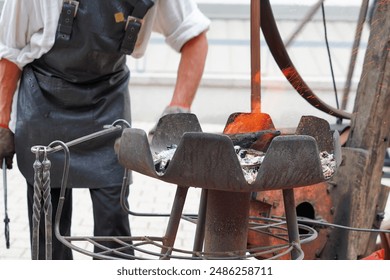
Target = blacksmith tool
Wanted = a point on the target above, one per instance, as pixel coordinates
(6, 219)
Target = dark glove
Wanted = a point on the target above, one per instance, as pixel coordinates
(7, 147)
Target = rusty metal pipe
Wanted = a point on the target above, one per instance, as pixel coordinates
(227, 220)
(255, 57)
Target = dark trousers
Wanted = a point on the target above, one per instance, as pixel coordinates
(109, 219)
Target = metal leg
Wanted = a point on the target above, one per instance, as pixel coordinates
(227, 222)
(174, 220)
(200, 224)
(292, 223)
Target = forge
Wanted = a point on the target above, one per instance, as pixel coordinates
(209, 161)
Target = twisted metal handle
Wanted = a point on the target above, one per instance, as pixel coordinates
(37, 199)
(47, 205)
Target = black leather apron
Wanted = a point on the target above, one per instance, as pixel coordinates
(75, 89)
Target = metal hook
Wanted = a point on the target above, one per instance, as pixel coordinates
(121, 122)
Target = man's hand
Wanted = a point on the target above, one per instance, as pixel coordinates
(7, 146)
(9, 77)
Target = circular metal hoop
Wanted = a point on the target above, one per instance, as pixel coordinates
(149, 247)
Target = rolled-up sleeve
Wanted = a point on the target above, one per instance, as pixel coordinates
(179, 21)
(27, 29)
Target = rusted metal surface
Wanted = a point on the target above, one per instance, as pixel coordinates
(319, 129)
(226, 221)
(313, 202)
(255, 57)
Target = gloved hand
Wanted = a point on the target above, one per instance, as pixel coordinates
(7, 146)
(168, 110)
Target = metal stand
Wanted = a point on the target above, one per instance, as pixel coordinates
(209, 161)
(223, 222)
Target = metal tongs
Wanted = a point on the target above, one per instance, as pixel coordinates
(6, 219)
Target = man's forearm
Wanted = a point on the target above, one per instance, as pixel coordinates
(190, 71)
(9, 77)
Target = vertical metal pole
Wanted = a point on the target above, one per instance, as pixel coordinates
(255, 57)
(292, 223)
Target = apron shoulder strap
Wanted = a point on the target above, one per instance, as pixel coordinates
(134, 23)
(141, 7)
(68, 13)
(132, 27)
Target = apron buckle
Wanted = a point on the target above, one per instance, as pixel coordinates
(132, 28)
(132, 19)
(68, 13)
(73, 3)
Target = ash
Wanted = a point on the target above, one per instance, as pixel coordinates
(249, 159)
(328, 163)
(162, 159)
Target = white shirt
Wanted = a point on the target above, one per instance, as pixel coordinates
(28, 27)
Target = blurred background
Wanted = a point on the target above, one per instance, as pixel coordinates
(226, 83)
